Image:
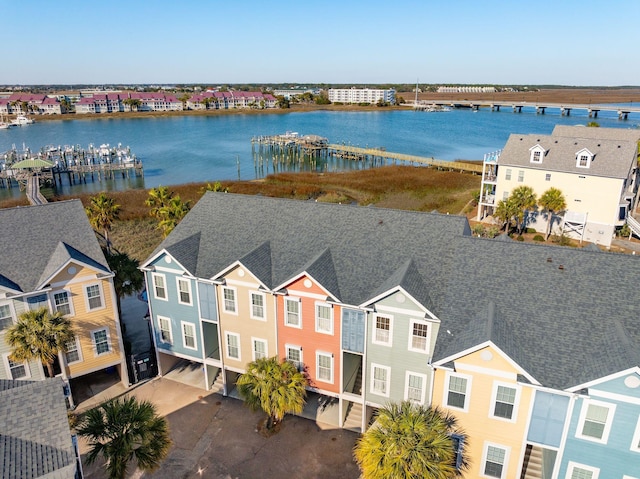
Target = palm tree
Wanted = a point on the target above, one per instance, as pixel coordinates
(275, 387)
(410, 441)
(505, 211)
(158, 198)
(38, 334)
(171, 214)
(552, 201)
(123, 429)
(524, 199)
(128, 279)
(103, 212)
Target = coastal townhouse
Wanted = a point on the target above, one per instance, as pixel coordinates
(533, 347)
(322, 285)
(121, 102)
(36, 442)
(595, 168)
(361, 95)
(218, 100)
(35, 103)
(538, 359)
(51, 258)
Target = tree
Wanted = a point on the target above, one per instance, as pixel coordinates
(505, 211)
(38, 334)
(172, 213)
(275, 387)
(134, 103)
(523, 199)
(410, 441)
(103, 212)
(128, 278)
(282, 102)
(123, 429)
(552, 201)
(158, 198)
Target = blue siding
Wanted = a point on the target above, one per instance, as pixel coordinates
(548, 419)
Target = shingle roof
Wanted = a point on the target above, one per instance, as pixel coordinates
(34, 439)
(625, 134)
(613, 158)
(36, 240)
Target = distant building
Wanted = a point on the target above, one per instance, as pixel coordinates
(230, 99)
(466, 89)
(121, 102)
(291, 92)
(24, 103)
(361, 95)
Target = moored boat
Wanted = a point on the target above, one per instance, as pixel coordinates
(21, 120)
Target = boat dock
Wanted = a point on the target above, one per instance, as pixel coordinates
(292, 147)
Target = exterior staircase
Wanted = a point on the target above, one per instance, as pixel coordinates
(532, 465)
(357, 385)
(353, 420)
(634, 225)
(218, 383)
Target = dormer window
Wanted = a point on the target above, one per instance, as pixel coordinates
(537, 154)
(584, 158)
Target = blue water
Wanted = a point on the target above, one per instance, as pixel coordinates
(198, 148)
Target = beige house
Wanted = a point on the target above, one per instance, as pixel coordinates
(595, 168)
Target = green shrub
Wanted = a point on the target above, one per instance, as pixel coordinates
(520, 238)
(492, 232)
(538, 238)
(478, 230)
(625, 231)
(530, 230)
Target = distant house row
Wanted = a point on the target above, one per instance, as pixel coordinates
(231, 99)
(535, 348)
(24, 103)
(128, 101)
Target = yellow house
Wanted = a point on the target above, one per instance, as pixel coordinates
(51, 258)
(491, 396)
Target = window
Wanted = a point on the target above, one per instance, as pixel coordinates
(324, 318)
(380, 376)
(101, 341)
(419, 338)
(233, 346)
(536, 157)
(257, 305)
(294, 354)
(159, 286)
(595, 421)
(415, 387)
(6, 317)
(165, 330)
(229, 295)
(520, 176)
(184, 291)
(94, 297)
(457, 391)
(16, 370)
(382, 333)
(188, 335)
(73, 351)
(580, 471)
(635, 442)
(324, 362)
(507, 175)
(504, 402)
(292, 312)
(505, 195)
(583, 161)
(62, 303)
(495, 459)
(259, 348)
(547, 177)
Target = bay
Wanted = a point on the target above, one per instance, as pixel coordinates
(183, 149)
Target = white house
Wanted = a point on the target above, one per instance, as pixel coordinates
(361, 95)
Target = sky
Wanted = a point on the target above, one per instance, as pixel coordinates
(502, 42)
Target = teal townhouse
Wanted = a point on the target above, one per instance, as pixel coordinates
(533, 347)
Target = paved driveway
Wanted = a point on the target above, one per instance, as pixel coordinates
(214, 437)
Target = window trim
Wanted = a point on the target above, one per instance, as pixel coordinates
(69, 301)
(505, 463)
(264, 305)
(507, 174)
(235, 300)
(374, 340)
(227, 335)
(188, 282)
(292, 299)
(520, 176)
(572, 465)
(412, 322)
(253, 347)
(27, 370)
(467, 394)
(153, 283)
(494, 397)
(95, 344)
(76, 340)
(287, 347)
(635, 442)
(160, 318)
(103, 301)
(607, 426)
(319, 304)
(423, 389)
(184, 336)
(12, 312)
(579, 156)
(331, 375)
(387, 380)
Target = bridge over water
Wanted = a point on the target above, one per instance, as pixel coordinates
(539, 107)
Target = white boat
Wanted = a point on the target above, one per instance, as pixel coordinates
(3, 124)
(104, 150)
(21, 120)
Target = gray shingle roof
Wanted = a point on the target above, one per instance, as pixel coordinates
(36, 240)
(625, 134)
(613, 158)
(34, 438)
